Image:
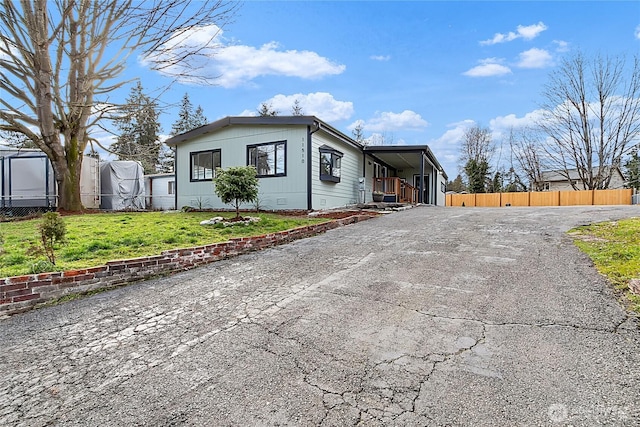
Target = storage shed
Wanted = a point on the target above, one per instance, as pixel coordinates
(161, 191)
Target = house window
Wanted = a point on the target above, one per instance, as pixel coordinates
(330, 162)
(269, 159)
(171, 187)
(204, 164)
(443, 187)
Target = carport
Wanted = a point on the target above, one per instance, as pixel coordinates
(397, 171)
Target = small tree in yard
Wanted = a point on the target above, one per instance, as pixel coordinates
(52, 230)
(236, 185)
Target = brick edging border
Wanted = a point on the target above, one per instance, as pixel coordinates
(23, 293)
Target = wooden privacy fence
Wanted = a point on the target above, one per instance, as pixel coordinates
(542, 198)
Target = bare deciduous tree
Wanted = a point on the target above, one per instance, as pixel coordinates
(477, 145)
(58, 57)
(591, 117)
(476, 151)
(358, 133)
(529, 156)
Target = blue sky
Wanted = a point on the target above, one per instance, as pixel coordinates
(415, 72)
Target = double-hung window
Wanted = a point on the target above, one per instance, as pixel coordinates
(269, 159)
(330, 164)
(204, 164)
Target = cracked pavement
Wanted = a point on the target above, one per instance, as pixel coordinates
(427, 317)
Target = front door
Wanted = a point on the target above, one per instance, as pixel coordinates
(416, 183)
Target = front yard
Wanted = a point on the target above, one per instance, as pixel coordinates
(93, 239)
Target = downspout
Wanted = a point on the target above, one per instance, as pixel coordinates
(9, 182)
(175, 179)
(309, 158)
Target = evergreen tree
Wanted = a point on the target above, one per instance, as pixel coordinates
(632, 170)
(139, 129)
(236, 185)
(266, 110)
(187, 119)
(478, 174)
(296, 110)
(457, 185)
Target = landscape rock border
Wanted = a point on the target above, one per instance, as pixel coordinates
(22, 293)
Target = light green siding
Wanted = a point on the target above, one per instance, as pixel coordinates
(283, 192)
(326, 195)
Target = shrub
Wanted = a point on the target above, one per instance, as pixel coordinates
(236, 185)
(52, 231)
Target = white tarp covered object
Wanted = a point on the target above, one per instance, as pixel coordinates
(122, 185)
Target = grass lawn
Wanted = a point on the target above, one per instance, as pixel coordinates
(93, 239)
(614, 248)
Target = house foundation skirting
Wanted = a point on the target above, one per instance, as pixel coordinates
(23, 293)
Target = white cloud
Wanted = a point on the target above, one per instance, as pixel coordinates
(320, 104)
(234, 65)
(380, 57)
(637, 32)
(528, 32)
(249, 113)
(488, 67)
(503, 124)
(561, 46)
(535, 58)
(454, 135)
(389, 121)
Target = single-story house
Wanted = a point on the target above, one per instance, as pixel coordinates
(303, 163)
(562, 180)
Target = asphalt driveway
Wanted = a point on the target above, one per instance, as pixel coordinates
(432, 316)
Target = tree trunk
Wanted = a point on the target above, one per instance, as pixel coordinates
(68, 179)
(67, 169)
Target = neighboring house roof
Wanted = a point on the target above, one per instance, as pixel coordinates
(262, 120)
(560, 176)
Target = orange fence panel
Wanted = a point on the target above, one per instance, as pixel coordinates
(613, 197)
(574, 198)
(463, 199)
(515, 199)
(544, 198)
(488, 200)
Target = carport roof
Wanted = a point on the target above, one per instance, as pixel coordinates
(404, 156)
